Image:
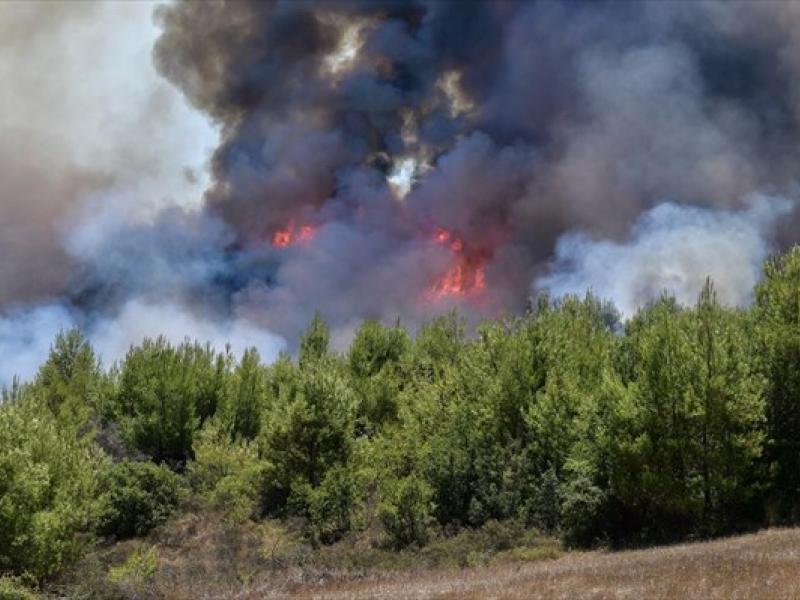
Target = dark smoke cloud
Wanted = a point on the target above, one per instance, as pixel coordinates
(522, 122)
(564, 145)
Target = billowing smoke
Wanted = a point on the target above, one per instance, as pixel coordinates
(385, 158)
(102, 164)
(672, 249)
(26, 334)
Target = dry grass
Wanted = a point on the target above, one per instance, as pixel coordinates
(199, 557)
(763, 565)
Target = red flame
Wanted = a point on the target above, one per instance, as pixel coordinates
(468, 275)
(291, 235)
(442, 235)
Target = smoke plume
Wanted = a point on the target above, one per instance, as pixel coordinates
(386, 158)
(672, 249)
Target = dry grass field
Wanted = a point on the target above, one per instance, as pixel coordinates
(198, 558)
(763, 565)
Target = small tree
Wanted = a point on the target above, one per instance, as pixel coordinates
(405, 511)
(306, 436)
(48, 486)
(247, 397)
(165, 393)
(70, 379)
(314, 342)
(777, 313)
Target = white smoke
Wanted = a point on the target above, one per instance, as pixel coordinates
(138, 319)
(26, 335)
(95, 144)
(85, 116)
(672, 249)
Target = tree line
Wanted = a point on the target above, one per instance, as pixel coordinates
(681, 422)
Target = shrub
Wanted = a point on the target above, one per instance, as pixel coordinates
(137, 496)
(581, 506)
(329, 506)
(48, 486)
(405, 511)
(12, 588)
(137, 571)
(226, 473)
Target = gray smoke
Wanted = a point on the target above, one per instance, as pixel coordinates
(103, 168)
(387, 159)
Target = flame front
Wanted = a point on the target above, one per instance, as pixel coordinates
(292, 235)
(468, 275)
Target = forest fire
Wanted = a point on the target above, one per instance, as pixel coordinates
(468, 275)
(292, 235)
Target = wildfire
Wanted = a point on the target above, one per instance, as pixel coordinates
(292, 235)
(468, 275)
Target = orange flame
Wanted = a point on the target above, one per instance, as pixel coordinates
(291, 235)
(468, 275)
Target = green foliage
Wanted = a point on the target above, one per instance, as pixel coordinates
(406, 510)
(70, 381)
(13, 588)
(226, 473)
(777, 313)
(375, 361)
(330, 504)
(247, 397)
(305, 435)
(437, 346)
(682, 423)
(581, 502)
(137, 570)
(314, 342)
(165, 393)
(136, 497)
(689, 428)
(48, 486)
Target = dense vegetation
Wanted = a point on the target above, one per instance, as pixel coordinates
(682, 422)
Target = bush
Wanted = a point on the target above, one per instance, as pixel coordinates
(138, 569)
(329, 506)
(12, 588)
(137, 496)
(581, 506)
(48, 486)
(226, 473)
(405, 511)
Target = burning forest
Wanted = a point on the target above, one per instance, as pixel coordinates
(316, 297)
(386, 159)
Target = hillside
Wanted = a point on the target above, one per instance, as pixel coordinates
(193, 558)
(762, 565)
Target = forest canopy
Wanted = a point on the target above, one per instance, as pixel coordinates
(681, 422)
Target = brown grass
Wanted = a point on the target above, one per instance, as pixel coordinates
(200, 557)
(763, 565)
